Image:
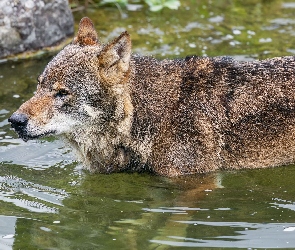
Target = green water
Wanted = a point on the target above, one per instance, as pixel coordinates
(48, 202)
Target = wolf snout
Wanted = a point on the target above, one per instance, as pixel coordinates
(18, 121)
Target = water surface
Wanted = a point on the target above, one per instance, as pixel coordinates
(48, 202)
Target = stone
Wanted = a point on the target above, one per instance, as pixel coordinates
(28, 25)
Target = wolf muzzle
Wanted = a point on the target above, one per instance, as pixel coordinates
(19, 123)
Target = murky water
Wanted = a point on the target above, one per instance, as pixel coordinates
(47, 202)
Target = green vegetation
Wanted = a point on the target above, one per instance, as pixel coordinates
(154, 5)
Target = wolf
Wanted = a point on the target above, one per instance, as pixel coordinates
(124, 112)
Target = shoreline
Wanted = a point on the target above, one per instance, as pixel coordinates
(33, 54)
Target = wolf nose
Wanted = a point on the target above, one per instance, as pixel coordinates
(18, 120)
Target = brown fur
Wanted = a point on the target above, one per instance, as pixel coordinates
(171, 117)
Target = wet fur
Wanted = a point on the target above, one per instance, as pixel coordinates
(172, 117)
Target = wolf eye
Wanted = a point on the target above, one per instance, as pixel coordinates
(61, 93)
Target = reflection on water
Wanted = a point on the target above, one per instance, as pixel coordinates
(34, 154)
(244, 235)
(7, 231)
(29, 195)
(47, 202)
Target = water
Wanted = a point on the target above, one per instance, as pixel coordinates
(48, 202)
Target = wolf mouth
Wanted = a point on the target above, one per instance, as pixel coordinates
(25, 136)
(19, 122)
(29, 137)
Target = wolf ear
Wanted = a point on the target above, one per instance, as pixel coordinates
(86, 34)
(114, 59)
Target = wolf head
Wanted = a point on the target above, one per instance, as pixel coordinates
(81, 86)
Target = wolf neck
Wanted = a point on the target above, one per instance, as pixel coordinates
(141, 107)
(105, 148)
(154, 90)
(103, 151)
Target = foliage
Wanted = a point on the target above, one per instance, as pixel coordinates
(120, 2)
(154, 5)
